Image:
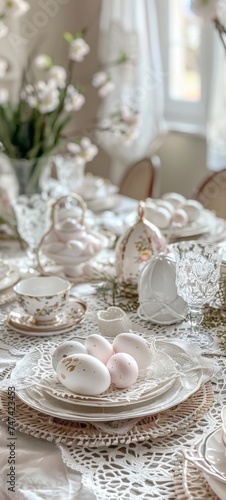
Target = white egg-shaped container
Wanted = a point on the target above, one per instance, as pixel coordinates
(158, 297)
(83, 374)
(137, 246)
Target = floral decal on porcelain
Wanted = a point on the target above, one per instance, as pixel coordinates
(48, 309)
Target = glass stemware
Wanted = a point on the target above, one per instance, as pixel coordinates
(33, 216)
(197, 280)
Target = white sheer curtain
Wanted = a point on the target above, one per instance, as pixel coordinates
(130, 26)
(216, 126)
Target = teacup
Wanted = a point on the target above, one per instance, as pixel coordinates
(42, 297)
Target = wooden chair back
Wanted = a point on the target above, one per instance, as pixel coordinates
(140, 180)
(212, 193)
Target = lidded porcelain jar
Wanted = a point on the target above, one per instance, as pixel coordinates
(158, 297)
(137, 246)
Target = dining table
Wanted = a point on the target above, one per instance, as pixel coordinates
(48, 454)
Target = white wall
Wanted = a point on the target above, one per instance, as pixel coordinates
(183, 163)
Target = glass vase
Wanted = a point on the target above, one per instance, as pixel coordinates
(27, 173)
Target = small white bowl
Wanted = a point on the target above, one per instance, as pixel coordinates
(42, 297)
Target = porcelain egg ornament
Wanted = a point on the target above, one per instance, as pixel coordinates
(158, 297)
(137, 246)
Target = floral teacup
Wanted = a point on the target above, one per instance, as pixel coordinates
(42, 297)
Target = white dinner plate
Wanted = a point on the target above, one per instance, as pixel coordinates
(218, 488)
(144, 389)
(13, 275)
(36, 397)
(214, 453)
(105, 203)
(62, 394)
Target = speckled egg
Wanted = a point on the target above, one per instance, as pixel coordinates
(123, 369)
(99, 347)
(65, 349)
(83, 374)
(136, 346)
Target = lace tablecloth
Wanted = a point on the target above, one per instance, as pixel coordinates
(150, 467)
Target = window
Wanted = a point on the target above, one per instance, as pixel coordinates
(187, 53)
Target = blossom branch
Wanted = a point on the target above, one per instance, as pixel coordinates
(221, 30)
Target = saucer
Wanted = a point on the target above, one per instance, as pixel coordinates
(73, 314)
(10, 278)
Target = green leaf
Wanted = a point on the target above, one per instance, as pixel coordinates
(68, 37)
(122, 58)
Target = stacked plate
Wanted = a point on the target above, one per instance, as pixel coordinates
(99, 194)
(178, 376)
(9, 275)
(210, 459)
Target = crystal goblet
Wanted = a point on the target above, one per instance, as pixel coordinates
(33, 216)
(197, 280)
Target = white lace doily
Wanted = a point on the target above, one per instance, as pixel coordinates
(110, 433)
(191, 484)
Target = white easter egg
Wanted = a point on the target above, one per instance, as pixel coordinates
(149, 211)
(180, 217)
(83, 374)
(193, 209)
(65, 349)
(161, 217)
(99, 347)
(55, 247)
(73, 248)
(136, 346)
(70, 225)
(123, 369)
(165, 204)
(176, 199)
(150, 202)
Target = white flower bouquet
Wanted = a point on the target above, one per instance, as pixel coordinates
(34, 128)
